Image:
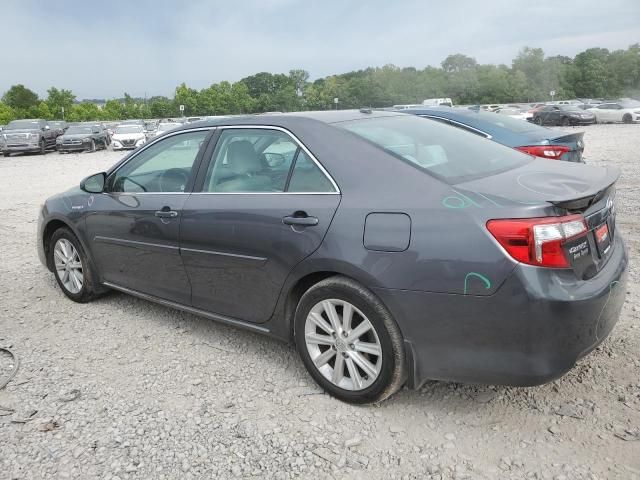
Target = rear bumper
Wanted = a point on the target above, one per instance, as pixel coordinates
(531, 331)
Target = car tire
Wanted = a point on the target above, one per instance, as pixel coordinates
(537, 121)
(373, 380)
(43, 147)
(6, 154)
(626, 118)
(85, 287)
(565, 122)
(92, 147)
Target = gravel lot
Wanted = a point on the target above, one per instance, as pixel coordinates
(122, 388)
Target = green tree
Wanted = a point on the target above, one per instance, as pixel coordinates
(6, 113)
(189, 98)
(20, 97)
(59, 99)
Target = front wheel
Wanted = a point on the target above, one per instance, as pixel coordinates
(565, 122)
(537, 121)
(627, 118)
(43, 147)
(71, 266)
(349, 342)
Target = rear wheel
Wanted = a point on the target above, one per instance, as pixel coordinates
(537, 121)
(349, 342)
(6, 154)
(565, 122)
(626, 118)
(71, 266)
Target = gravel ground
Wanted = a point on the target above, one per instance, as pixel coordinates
(122, 388)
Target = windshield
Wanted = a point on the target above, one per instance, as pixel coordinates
(447, 153)
(78, 130)
(129, 129)
(20, 124)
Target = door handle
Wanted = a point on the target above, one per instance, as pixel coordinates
(166, 213)
(302, 221)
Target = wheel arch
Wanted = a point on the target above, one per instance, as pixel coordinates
(50, 227)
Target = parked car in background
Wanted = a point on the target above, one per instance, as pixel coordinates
(165, 127)
(513, 112)
(475, 264)
(132, 122)
(59, 125)
(150, 128)
(2, 127)
(611, 112)
(192, 119)
(128, 136)
(438, 102)
(562, 115)
(87, 138)
(524, 136)
(28, 136)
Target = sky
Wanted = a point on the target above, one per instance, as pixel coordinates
(144, 47)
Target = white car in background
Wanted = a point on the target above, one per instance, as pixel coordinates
(616, 112)
(128, 137)
(513, 112)
(165, 127)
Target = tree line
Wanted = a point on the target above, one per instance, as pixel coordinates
(594, 73)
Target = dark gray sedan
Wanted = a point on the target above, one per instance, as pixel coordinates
(390, 249)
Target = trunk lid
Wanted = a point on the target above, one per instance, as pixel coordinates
(575, 141)
(564, 188)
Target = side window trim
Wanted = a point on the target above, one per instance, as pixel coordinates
(196, 164)
(208, 158)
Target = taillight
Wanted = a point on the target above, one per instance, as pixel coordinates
(553, 152)
(537, 241)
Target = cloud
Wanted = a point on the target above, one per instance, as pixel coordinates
(104, 49)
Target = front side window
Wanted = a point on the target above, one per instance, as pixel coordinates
(261, 161)
(165, 166)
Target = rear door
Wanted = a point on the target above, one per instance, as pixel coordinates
(264, 204)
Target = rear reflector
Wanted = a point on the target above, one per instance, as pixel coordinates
(553, 152)
(538, 241)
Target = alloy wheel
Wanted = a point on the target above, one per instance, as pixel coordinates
(68, 266)
(343, 344)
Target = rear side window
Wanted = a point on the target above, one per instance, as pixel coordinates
(307, 176)
(445, 152)
(262, 160)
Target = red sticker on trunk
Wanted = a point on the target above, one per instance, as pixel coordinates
(602, 233)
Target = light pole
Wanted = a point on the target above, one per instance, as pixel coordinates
(62, 108)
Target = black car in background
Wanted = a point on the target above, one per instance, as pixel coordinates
(512, 132)
(82, 138)
(27, 136)
(59, 125)
(563, 115)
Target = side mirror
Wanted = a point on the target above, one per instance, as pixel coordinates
(94, 183)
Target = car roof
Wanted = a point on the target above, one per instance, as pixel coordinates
(286, 119)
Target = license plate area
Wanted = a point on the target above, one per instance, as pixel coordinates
(603, 239)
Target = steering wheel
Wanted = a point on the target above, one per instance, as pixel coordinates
(173, 180)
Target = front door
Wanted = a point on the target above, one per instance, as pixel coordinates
(135, 224)
(264, 205)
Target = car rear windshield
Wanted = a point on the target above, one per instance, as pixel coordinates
(441, 150)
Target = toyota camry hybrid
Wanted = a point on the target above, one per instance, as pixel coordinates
(390, 248)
